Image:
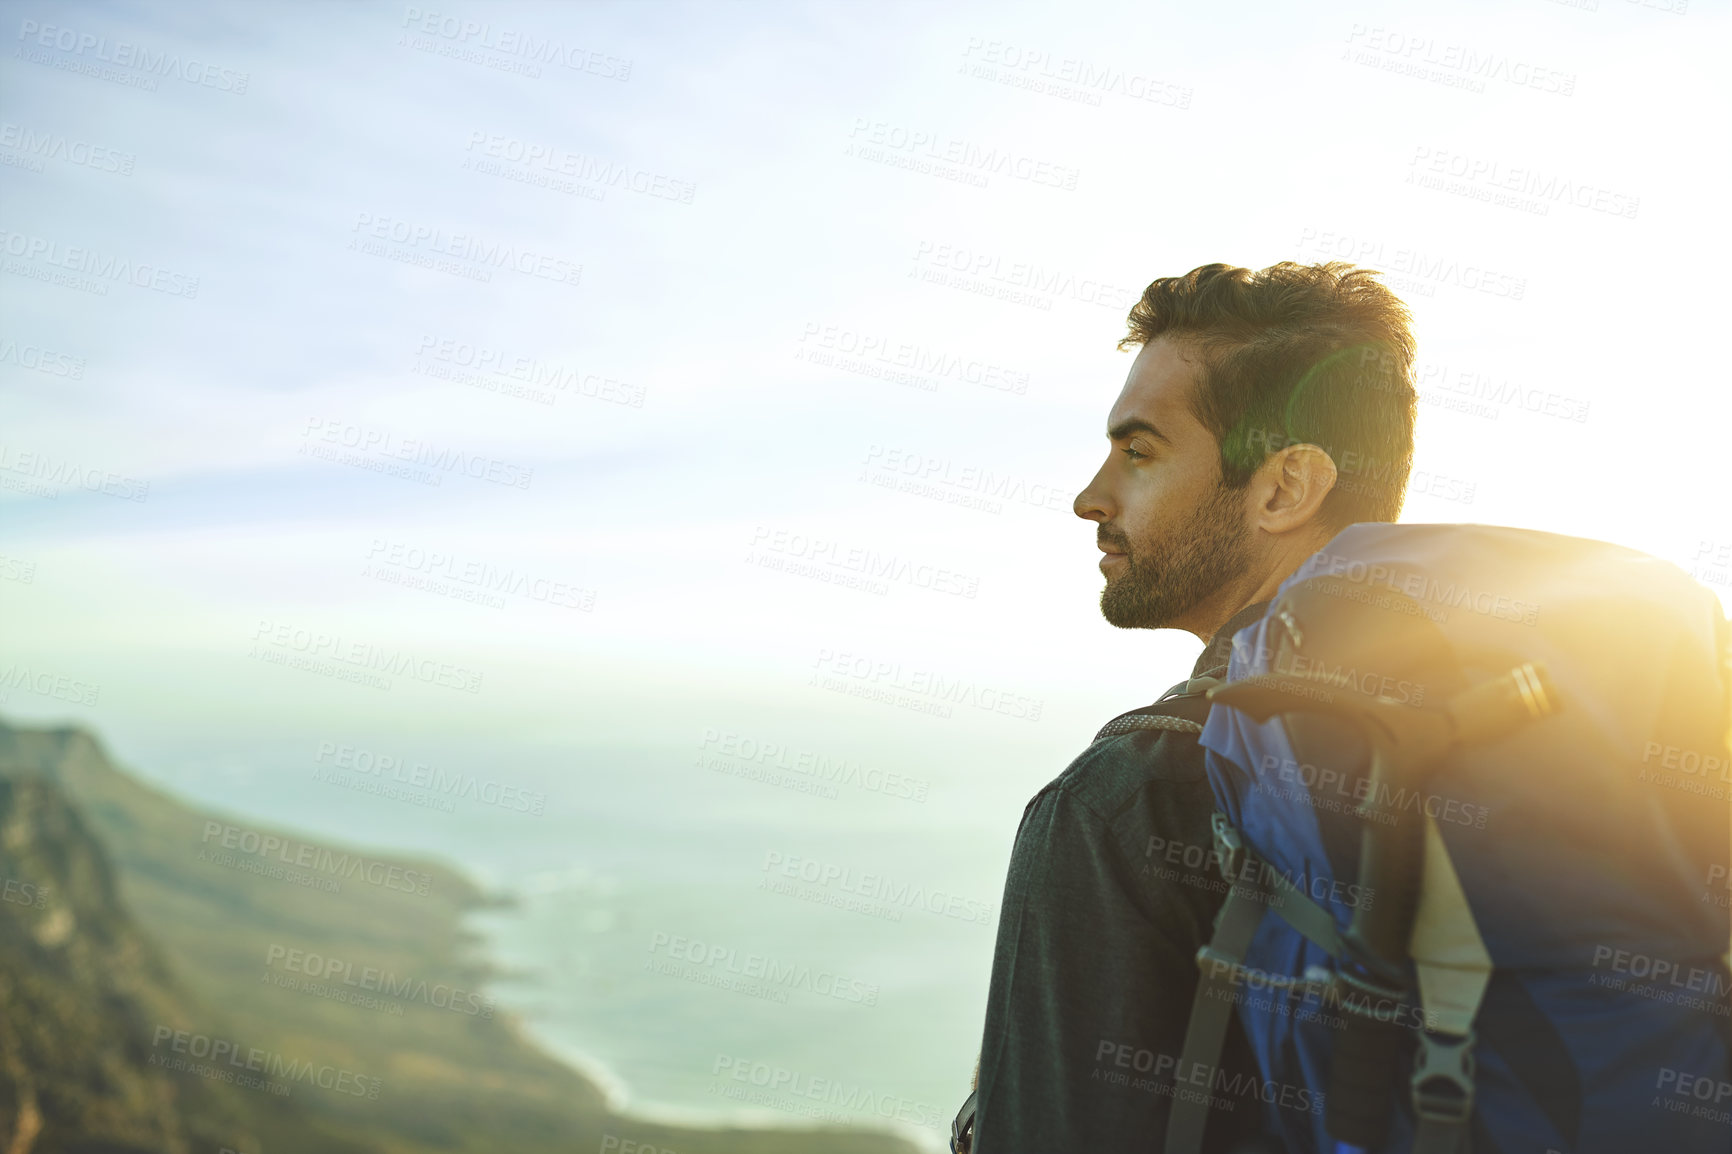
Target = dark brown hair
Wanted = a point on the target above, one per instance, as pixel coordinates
(1316, 354)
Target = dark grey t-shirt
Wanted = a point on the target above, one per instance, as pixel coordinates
(1110, 892)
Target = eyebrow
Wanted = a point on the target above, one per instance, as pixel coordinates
(1136, 425)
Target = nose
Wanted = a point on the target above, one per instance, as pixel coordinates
(1091, 504)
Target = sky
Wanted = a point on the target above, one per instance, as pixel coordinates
(645, 333)
(751, 218)
(458, 377)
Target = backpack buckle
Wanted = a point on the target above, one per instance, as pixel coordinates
(1443, 1072)
(1229, 847)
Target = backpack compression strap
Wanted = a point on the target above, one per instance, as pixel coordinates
(1256, 888)
(1454, 969)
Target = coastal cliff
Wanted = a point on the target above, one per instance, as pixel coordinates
(174, 980)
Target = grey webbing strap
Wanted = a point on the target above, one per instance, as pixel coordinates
(1293, 907)
(1243, 866)
(1203, 682)
(1206, 1033)
(1247, 901)
(1454, 970)
(1157, 718)
(1432, 1137)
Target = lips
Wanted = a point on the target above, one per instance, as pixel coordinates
(1111, 557)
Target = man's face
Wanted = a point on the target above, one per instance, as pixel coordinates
(1172, 535)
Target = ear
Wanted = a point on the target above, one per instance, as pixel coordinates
(1290, 487)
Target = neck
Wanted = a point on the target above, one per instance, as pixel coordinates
(1258, 583)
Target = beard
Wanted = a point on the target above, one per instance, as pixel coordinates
(1162, 579)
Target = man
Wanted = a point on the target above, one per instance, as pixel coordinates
(1265, 411)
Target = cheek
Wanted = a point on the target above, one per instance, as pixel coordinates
(1151, 506)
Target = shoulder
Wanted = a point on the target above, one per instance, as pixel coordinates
(1093, 829)
(1115, 771)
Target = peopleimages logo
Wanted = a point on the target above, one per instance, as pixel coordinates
(386, 446)
(869, 564)
(1662, 971)
(1411, 270)
(879, 887)
(924, 362)
(751, 752)
(1495, 175)
(1464, 65)
(59, 686)
(1114, 1058)
(847, 1096)
(1165, 857)
(481, 576)
(222, 1052)
(1352, 792)
(1073, 78)
(527, 47)
(312, 857)
(105, 266)
(1699, 1095)
(922, 690)
(24, 893)
(45, 145)
(772, 974)
(1310, 667)
(1418, 586)
(529, 370)
(43, 467)
(983, 269)
(422, 244)
(452, 784)
(556, 161)
(41, 360)
(372, 979)
(921, 149)
(926, 474)
(124, 54)
(280, 642)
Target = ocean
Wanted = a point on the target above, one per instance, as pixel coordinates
(709, 935)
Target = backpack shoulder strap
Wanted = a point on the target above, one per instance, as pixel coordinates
(1181, 709)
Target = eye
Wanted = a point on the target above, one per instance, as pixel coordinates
(1133, 454)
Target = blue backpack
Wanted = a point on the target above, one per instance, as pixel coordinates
(1475, 815)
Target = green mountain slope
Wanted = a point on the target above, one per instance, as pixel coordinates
(86, 997)
(337, 986)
